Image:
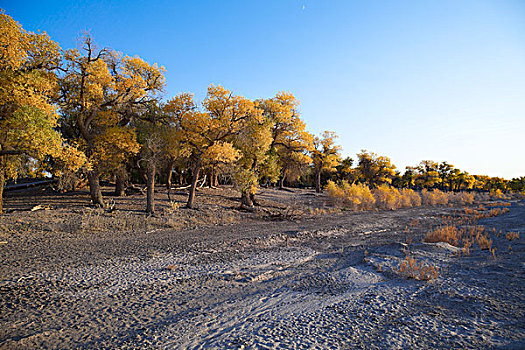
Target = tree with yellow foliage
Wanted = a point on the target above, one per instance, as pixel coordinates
(375, 170)
(28, 117)
(101, 92)
(254, 142)
(223, 117)
(290, 141)
(428, 175)
(326, 156)
(220, 154)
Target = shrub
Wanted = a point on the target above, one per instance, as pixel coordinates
(409, 198)
(355, 196)
(359, 196)
(387, 197)
(448, 233)
(498, 194)
(434, 197)
(461, 198)
(484, 242)
(335, 192)
(510, 236)
(419, 271)
(466, 247)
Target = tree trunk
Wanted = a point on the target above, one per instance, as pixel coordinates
(215, 179)
(3, 162)
(318, 180)
(281, 181)
(171, 165)
(121, 177)
(252, 198)
(94, 188)
(150, 193)
(170, 176)
(246, 201)
(195, 178)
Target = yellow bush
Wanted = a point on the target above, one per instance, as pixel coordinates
(461, 198)
(335, 192)
(434, 197)
(409, 198)
(498, 194)
(387, 197)
(359, 196)
(356, 196)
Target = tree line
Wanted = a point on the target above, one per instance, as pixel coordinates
(96, 113)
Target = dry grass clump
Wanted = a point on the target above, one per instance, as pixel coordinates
(450, 234)
(466, 247)
(484, 242)
(481, 212)
(434, 197)
(459, 231)
(458, 236)
(510, 236)
(497, 211)
(410, 268)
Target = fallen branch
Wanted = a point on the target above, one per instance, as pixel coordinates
(40, 207)
(136, 189)
(287, 190)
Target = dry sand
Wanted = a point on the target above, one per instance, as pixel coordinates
(305, 283)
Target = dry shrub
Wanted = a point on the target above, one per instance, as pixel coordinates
(410, 268)
(434, 197)
(360, 197)
(409, 198)
(466, 247)
(335, 192)
(510, 236)
(356, 196)
(497, 211)
(447, 233)
(391, 198)
(461, 198)
(484, 242)
(456, 236)
(498, 194)
(469, 211)
(387, 197)
(414, 222)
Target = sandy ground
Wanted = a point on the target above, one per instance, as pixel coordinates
(77, 278)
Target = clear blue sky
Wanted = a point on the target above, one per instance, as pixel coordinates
(412, 80)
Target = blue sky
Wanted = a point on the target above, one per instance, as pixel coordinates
(412, 80)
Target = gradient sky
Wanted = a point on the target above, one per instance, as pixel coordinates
(412, 80)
